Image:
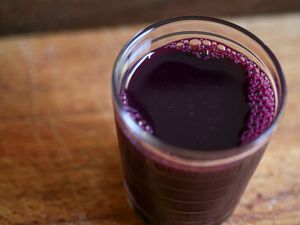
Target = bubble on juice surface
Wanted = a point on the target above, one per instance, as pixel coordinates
(259, 93)
(134, 114)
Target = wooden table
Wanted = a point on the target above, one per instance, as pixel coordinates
(59, 160)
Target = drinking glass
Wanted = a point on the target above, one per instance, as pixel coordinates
(171, 185)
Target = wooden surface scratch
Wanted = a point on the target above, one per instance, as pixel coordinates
(59, 160)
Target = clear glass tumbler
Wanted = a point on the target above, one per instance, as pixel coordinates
(171, 185)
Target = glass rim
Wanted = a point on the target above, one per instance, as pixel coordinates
(197, 157)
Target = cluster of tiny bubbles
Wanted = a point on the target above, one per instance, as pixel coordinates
(134, 114)
(260, 95)
(262, 103)
(207, 49)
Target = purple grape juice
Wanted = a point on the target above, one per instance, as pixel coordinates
(200, 95)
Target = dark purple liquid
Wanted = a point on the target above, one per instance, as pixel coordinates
(190, 102)
(205, 97)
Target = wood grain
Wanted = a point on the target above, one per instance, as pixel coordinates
(59, 161)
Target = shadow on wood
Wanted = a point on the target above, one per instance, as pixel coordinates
(51, 15)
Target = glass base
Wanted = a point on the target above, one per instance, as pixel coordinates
(148, 221)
